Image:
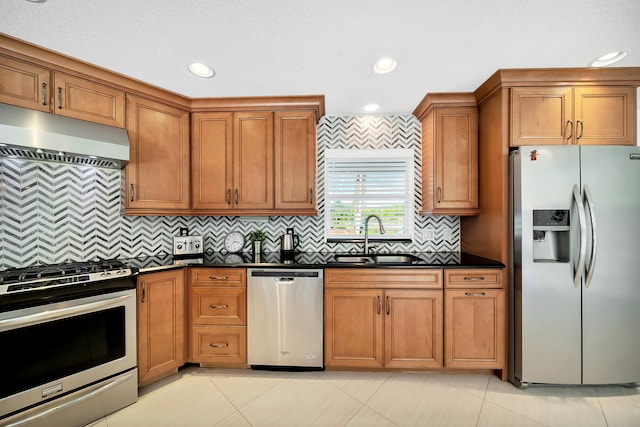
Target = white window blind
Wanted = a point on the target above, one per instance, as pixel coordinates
(359, 183)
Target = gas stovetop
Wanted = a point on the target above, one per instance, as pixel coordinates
(47, 276)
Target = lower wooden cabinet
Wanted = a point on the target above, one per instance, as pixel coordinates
(218, 316)
(161, 324)
(372, 320)
(474, 319)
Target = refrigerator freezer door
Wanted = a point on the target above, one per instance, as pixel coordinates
(547, 306)
(611, 303)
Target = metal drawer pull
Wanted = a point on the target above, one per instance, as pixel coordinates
(474, 278)
(218, 277)
(219, 306)
(44, 93)
(379, 305)
(388, 305)
(212, 345)
(144, 293)
(60, 98)
(477, 294)
(311, 195)
(228, 198)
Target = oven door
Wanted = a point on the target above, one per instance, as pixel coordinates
(53, 350)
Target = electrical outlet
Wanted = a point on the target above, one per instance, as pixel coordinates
(429, 233)
(447, 234)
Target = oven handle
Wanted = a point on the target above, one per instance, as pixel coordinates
(32, 319)
(73, 402)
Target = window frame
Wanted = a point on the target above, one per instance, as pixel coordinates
(365, 155)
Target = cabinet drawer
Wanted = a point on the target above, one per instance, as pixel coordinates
(473, 278)
(388, 278)
(224, 277)
(219, 344)
(218, 306)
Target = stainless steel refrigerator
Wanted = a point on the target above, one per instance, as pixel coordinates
(575, 265)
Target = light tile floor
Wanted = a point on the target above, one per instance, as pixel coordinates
(242, 398)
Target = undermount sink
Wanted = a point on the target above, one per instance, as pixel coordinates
(376, 259)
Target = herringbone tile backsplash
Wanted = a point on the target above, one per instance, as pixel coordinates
(57, 212)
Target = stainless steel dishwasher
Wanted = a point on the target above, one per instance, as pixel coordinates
(285, 318)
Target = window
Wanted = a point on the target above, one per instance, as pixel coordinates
(359, 183)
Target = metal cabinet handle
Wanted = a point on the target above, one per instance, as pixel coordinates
(235, 196)
(133, 192)
(144, 293)
(218, 306)
(474, 278)
(218, 277)
(44, 93)
(475, 294)
(388, 305)
(212, 345)
(579, 122)
(439, 195)
(569, 122)
(228, 198)
(311, 195)
(60, 97)
(379, 305)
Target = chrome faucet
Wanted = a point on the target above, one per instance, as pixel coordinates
(366, 231)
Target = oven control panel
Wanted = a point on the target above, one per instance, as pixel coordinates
(188, 245)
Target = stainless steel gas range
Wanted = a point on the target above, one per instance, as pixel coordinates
(68, 343)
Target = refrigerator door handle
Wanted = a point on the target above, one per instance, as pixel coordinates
(594, 237)
(583, 237)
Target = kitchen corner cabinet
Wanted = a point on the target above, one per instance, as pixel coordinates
(589, 115)
(162, 345)
(253, 163)
(474, 319)
(157, 175)
(28, 85)
(449, 154)
(218, 316)
(377, 318)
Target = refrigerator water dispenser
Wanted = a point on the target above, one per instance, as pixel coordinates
(551, 237)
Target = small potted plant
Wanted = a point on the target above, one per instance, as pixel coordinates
(257, 237)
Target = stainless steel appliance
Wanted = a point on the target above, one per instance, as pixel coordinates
(289, 242)
(68, 334)
(285, 318)
(575, 294)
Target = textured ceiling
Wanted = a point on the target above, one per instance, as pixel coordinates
(301, 47)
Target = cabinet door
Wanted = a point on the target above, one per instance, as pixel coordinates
(295, 160)
(474, 329)
(413, 329)
(24, 85)
(353, 328)
(161, 324)
(253, 160)
(456, 159)
(158, 170)
(605, 115)
(542, 116)
(86, 100)
(212, 160)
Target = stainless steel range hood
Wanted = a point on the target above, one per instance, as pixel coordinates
(37, 135)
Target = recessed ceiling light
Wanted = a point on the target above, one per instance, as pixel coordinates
(201, 70)
(608, 59)
(369, 108)
(384, 65)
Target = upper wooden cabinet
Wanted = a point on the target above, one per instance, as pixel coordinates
(449, 154)
(157, 176)
(29, 85)
(253, 163)
(594, 115)
(295, 160)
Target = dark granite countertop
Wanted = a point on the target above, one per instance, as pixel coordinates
(308, 260)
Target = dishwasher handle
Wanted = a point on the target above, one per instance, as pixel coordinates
(285, 274)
